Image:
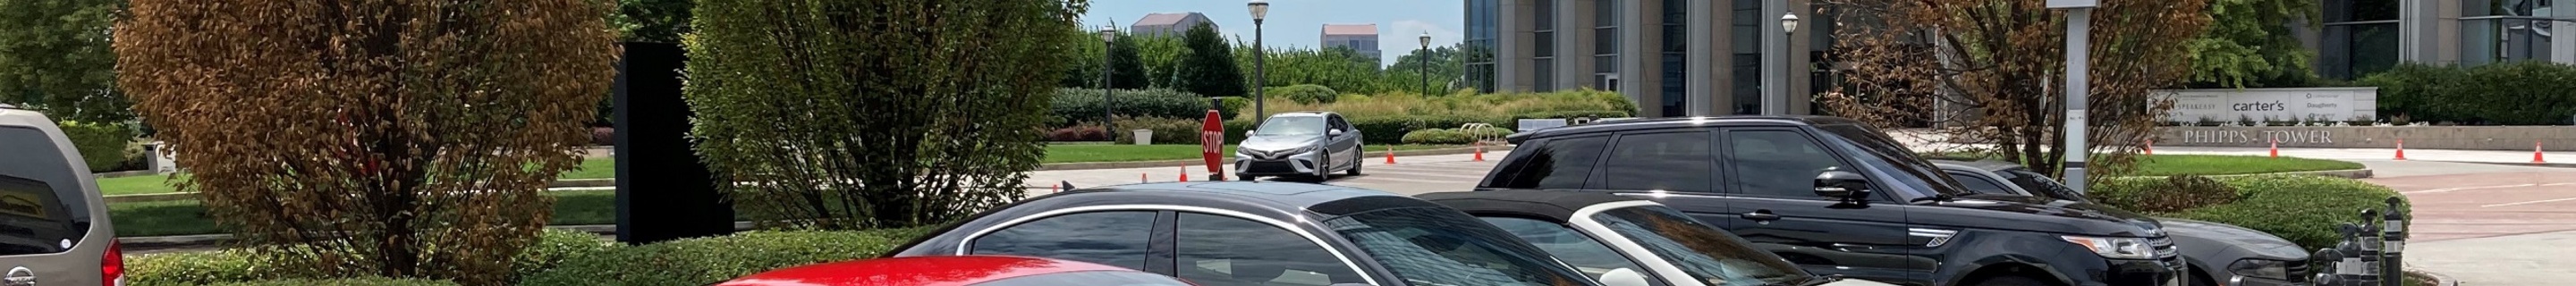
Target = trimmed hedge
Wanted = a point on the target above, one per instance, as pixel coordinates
(1075, 105)
(2302, 209)
(237, 265)
(103, 146)
(1166, 130)
(703, 261)
(1307, 93)
(369, 281)
(2171, 194)
(2505, 93)
(1454, 136)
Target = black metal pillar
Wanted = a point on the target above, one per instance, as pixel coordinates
(663, 191)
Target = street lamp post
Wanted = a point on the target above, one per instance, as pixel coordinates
(1260, 77)
(1425, 67)
(1108, 110)
(2079, 25)
(1775, 98)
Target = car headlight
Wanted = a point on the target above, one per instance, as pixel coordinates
(2258, 268)
(2115, 247)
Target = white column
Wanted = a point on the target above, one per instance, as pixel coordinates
(1574, 34)
(1638, 50)
(1775, 59)
(1699, 82)
(2562, 49)
(1801, 62)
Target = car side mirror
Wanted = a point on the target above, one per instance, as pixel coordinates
(1623, 277)
(1842, 185)
(1247, 132)
(1333, 133)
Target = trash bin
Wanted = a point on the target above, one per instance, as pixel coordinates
(1144, 137)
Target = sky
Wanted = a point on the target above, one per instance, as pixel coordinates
(1300, 23)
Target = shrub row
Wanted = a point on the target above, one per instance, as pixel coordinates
(2302, 209)
(2509, 93)
(1076, 105)
(1306, 93)
(1166, 130)
(705, 261)
(243, 266)
(369, 281)
(2170, 194)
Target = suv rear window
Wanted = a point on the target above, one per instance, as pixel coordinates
(42, 205)
(1553, 164)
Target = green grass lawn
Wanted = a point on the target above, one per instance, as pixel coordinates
(2169, 165)
(1072, 153)
(187, 217)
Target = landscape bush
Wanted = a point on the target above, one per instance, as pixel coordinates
(2303, 209)
(603, 136)
(2170, 194)
(1306, 93)
(1075, 105)
(2508, 93)
(1436, 136)
(1082, 132)
(705, 261)
(369, 281)
(103, 146)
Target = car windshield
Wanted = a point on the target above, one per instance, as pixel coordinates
(2040, 184)
(1440, 246)
(1290, 126)
(1699, 249)
(1906, 165)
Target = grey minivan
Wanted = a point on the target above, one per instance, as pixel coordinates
(1312, 143)
(53, 225)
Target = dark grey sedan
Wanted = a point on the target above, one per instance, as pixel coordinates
(2217, 252)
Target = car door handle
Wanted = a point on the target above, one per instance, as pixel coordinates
(1760, 215)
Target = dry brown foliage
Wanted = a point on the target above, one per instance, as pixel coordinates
(404, 138)
(1985, 76)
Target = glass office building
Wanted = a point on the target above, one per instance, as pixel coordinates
(1673, 57)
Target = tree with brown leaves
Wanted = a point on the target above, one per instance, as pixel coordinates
(403, 138)
(1994, 71)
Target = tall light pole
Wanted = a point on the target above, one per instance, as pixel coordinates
(1425, 68)
(1108, 110)
(1260, 79)
(2079, 26)
(1775, 88)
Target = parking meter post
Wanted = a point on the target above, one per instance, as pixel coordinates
(2367, 235)
(2393, 233)
(2333, 260)
(2354, 271)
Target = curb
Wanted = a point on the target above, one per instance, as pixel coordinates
(579, 183)
(2347, 174)
(1230, 159)
(2546, 165)
(121, 174)
(175, 241)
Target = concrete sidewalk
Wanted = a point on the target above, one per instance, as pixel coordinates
(2471, 156)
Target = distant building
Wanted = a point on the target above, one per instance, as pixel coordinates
(1358, 37)
(1169, 24)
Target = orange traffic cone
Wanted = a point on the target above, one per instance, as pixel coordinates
(2535, 152)
(1140, 178)
(1390, 155)
(2276, 148)
(2151, 147)
(1185, 172)
(1480, 151)
(1055, 189)
(2401, 149)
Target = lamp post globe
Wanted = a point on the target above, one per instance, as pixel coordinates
(1108, 33)
(1789, 22)
(1259, 8)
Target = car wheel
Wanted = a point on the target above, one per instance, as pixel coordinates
(2200, 279)
(1324, 168)
(1247, 178)
(2012, 281)
(1355, 167)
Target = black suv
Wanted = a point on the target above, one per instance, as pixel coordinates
(1837, 197)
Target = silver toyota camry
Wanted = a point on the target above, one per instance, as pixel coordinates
(1299, 144)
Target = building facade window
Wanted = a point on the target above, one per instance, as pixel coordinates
(1605, 37)
(2360, 38)
(1483, 28)
(1676, 34)
(1543, 63)
(2494, 31)
(1747, 49)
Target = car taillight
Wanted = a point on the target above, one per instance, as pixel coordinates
(111, 269)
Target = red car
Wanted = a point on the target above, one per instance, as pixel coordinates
(975, 270)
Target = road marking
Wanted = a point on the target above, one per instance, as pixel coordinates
(2526, 203)
(1375, 178)
(2446, 190)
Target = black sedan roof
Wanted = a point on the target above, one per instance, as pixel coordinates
(1557, 205)
(1685, 122)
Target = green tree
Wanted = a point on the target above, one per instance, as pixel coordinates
(1442, 64)
(54, 56)
(2249, 43)
(1126, 66)
(1209, 69)
(1081, 57)
(865, 114)
(401, 138)
(653, 21)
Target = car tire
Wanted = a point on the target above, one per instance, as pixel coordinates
(1355, 162)
(2012, 281)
